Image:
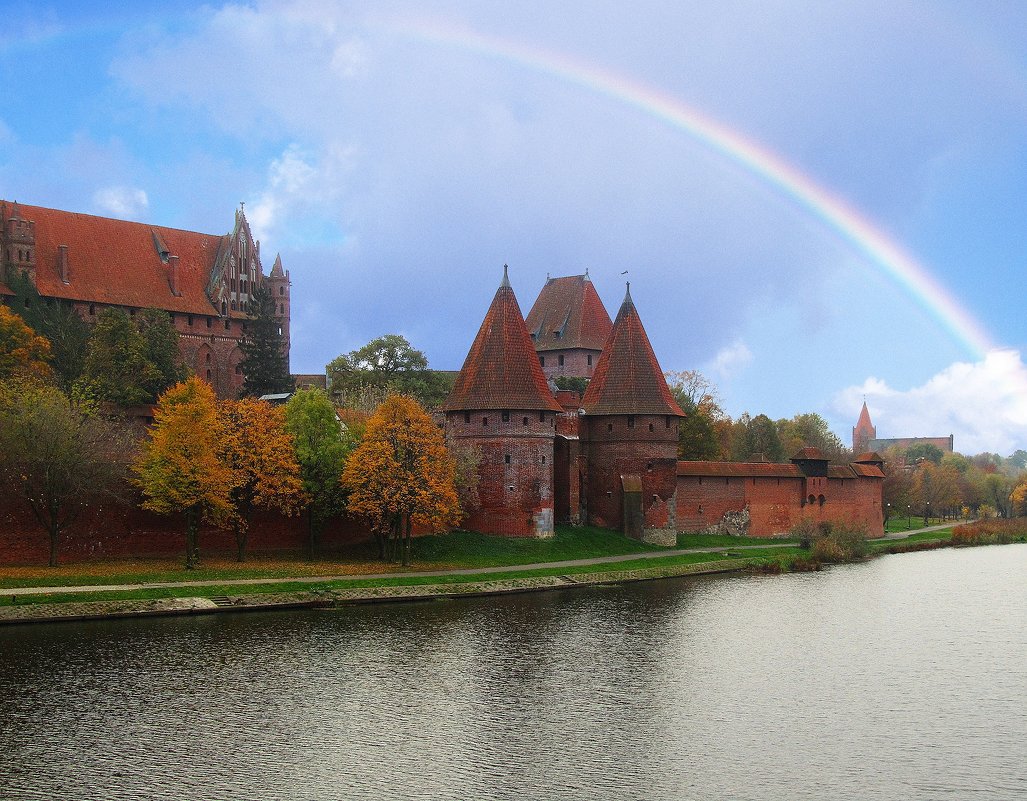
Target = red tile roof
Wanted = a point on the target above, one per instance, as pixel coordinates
(809, 454)
(869, 457)
(117, 262)
(627, 378)
(864, 418)
(771, 470)
(742, 469)
(568, 313)
(501, 370)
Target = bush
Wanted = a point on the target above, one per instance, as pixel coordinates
(805, 531)
(991, 532)
(827, 549)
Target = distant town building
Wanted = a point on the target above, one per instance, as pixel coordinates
(204, 281)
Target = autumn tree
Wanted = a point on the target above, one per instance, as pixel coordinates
(265, 360)
(755, 436)
(811, 430)
(22, 351)
(389, 364)
(925, 451)
(181, 470)
(322, 445)
(57, 454)
(935, 487)
(259, 450)
(401, 475)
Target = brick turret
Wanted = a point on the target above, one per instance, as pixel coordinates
(631, 425)
(18, 248)
(278, 283)
(502, 415)
(864, 431)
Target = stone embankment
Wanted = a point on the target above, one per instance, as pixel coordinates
(325, 599)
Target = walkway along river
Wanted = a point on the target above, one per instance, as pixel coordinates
(904, 677)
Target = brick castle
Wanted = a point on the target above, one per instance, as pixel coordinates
(204, 281)
(609, 458)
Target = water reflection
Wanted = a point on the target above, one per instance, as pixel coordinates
(900, 678)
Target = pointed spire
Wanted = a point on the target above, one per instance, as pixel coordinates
(586, 275)
(502, 370)
(628, 378)
(276, 270)
(627, 294)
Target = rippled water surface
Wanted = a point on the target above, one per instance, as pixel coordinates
(902, 678)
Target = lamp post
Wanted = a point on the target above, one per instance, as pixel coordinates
(888, 515)
(909, 514)
(927, 512)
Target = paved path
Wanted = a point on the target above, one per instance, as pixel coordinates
(598, 560)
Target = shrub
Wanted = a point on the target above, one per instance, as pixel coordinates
(990, 532)
(827, 549)
(805, 531)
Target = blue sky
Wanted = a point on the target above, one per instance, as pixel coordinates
(397, 168)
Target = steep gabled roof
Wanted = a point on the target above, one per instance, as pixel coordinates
(501, 370)
(809, 454)
(627, 378)
(864, 419)
(568, 313)
(120, 263)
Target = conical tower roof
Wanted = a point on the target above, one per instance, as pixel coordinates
(276, 270)
(864, 418)
(628, 379)
(501, 370)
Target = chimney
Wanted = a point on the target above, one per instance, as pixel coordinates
(173, 275)
(62, 263)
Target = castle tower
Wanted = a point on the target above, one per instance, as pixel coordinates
(278, 283)
(863, 432)
(568, 325)
(502, 415)
(631, 425)
(18, 248)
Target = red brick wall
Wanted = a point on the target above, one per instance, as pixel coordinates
(575, 362)
(776, 504)
(118, 531)
(515, 474)
(615, 447)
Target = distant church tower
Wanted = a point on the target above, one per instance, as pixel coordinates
(502, 414)
(863, 432)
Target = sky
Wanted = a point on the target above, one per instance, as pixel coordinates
(815, 203)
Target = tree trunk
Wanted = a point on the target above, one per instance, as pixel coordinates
(406, 544)
(241, 535)
(55, 536)
(192, 552)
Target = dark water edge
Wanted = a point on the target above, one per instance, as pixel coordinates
(904, 677)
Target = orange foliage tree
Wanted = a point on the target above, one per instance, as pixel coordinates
(401, 475)
(181, 469)
(260, 452)
(22, 351)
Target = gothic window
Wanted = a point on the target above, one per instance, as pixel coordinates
(560, 360)
(233, 305)
(206, 359)
(224, 307)
(542, 361)
(281, 290)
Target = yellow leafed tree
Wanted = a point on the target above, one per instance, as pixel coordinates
(260, 452)
(401, 475)
(181, 469)
(22, 351)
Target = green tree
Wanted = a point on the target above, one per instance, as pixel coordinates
(322, 447)
(401, 475)
(57, 455)
(160, 347)
(265, 360)
(811, 430)
(925, 451)
(698, 435)
(389, 363)
(117, 365)
(181, 469)
(755, 436)
(935, 489)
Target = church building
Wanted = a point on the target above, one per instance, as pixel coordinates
(203, 281)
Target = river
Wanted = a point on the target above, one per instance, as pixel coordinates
(900, 678)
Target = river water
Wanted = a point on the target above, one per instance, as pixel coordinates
(901, 678)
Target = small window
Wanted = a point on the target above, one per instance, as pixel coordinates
(238, 370)
(542, 361)
(208, 375)
(92, 308)
(506, 417)
(506, 458)
(631, 421)
(224, 307)
(484, 421)
(233, 305)
(590, 360)
(668, 421)
(131, 312)
(541, 417)
(210, 322)
(281, 290)
(609, 426)
(234, 285)
(560, 360)
(190, 319)
(467, 417)
(525, 421)
(650, 426)
(543, 460)
(557, 333)
(228, 325)
(207, 358)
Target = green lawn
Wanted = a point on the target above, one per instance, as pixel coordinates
(904, 523)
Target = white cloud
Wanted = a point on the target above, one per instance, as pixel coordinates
(983, 404)
(731, 360)
(121, 201)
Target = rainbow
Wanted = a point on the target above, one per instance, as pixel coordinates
(861, 235)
